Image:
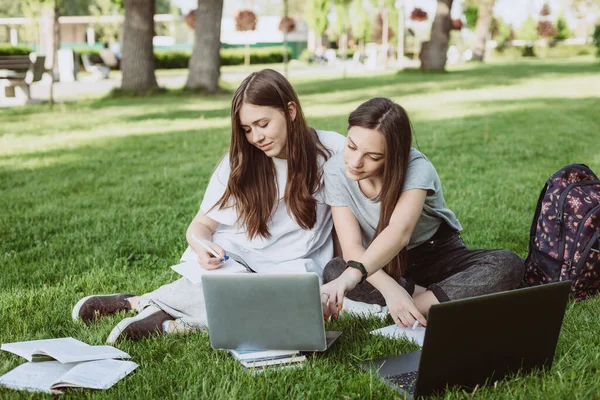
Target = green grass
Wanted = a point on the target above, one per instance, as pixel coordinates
(96, 197)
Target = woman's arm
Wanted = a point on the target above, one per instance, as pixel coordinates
(381, 251)
(203, 227)
(397, 234)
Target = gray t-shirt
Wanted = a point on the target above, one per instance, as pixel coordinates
(341, 191)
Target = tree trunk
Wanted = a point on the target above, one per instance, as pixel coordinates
(55, 47)
(482, 28)
(433, 53)
(205, 62)
(138, 64)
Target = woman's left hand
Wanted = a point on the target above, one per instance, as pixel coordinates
(332, 293)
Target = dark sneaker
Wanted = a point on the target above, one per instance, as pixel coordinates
(146, 323)
(95, 306)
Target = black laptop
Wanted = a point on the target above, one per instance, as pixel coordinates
(481, 339)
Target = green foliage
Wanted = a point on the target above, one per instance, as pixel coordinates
(316, 15)
(562, 28)
(362, 22)
(231, 56)
(106, 32)
(471, 14)
(8, 50)
(596, 38)
(560, 50)
(10, 9)
(500, 30)
(76, 7)
(528, 30)
(342, 20)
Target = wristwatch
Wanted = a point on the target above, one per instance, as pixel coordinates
(358, 266)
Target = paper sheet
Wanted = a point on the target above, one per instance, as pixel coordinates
(193, 272)
(35, 376)
(101, 374)
(416, 335)
(65, 350)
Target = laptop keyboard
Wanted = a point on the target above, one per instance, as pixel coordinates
(405, 381)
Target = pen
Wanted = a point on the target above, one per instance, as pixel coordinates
(209, 249)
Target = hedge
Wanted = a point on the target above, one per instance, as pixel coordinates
(9, 50)
(559, 50)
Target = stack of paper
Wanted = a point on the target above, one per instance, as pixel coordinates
(259, 360)
(55, 364)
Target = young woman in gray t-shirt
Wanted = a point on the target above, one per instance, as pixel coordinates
(400, 243)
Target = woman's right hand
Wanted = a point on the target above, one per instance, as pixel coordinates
(206, 259)
(402, 307)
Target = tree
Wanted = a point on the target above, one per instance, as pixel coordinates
(433, 52)
(562, 28)
(205, 62)
(316, 16)
(528, 30)
(482, 28)
(106, 32)
(138, 64)
(361, 22)
(245, 20)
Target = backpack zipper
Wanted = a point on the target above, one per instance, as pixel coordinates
(586, 252)
(559, 214)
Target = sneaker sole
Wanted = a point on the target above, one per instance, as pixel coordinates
(75, 312)
(113, 336)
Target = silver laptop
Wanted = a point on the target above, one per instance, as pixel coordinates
(265, 312)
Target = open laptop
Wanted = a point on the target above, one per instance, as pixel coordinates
(480, 339)
(266, 312)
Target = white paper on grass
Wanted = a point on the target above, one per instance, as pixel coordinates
(65, 350)
(50, 376)
(416, 335)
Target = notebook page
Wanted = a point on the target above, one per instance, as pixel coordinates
(100, 374)
(90, 353)
(193, 272)
(49, 347)
(416, 335)
(35, 377)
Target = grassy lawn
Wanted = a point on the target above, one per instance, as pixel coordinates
(96, 197)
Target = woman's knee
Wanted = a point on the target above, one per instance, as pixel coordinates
(511, 265)
(333, 269)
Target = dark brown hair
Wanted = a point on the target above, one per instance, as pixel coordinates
(392, 121)
(252, 186)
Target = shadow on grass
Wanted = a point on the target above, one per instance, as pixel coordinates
(180, 114)
(131, 196)
(470, 77)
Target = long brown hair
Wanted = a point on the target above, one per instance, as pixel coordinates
(392, 121)
(252, 186)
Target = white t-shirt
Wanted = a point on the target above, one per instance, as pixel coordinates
(290, 249)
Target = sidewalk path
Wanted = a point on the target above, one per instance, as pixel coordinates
(90, 87)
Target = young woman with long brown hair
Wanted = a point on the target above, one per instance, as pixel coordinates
(394, 226)
(263, 205)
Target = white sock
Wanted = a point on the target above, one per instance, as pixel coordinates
(131, 305)
(166, 325)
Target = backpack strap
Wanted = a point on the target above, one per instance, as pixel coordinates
(536, 216)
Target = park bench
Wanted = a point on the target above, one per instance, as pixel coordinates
(17, 73)
(97, 69)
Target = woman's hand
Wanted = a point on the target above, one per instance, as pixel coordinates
(332, 293)
(206, 259)
(402, 308)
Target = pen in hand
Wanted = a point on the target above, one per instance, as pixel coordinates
(209, 249)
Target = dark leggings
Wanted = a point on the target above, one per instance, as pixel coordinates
(444, 265)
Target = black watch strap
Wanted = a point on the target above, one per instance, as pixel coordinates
(358, 266)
